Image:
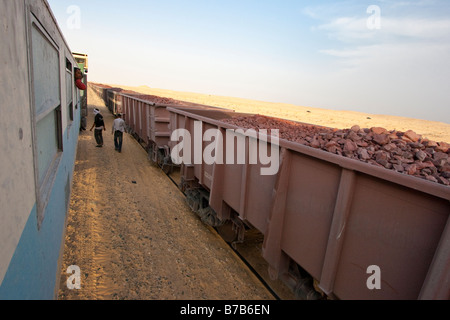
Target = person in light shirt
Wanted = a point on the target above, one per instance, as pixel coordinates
(118, 129)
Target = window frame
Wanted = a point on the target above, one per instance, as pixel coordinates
(69, 105)
(44, 188)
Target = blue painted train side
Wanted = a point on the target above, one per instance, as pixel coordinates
(40, 109)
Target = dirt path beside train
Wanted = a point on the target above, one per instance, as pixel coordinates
(133, 237)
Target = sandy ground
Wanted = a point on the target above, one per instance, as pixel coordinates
(437, 131)
(132, 235)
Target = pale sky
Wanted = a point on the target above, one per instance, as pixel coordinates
(376, 56)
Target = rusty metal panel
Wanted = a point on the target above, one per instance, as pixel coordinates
(310, 203)
(261, 188)
(133, 114)
(176, 122)
(126, 109)
(242, 182)
(206, 169)
(437, 283)
(395, 228)
(138, 108)
(142, 121)
(159, 125)
(232, 185)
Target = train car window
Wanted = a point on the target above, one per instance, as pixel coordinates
(46, 73)
(47, 144)
(46, 87)
(59, 128)
(82, 62)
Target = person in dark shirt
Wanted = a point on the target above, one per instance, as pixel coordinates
(99, 125)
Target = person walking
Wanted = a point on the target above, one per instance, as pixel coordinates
(118, 129)
(99, 125)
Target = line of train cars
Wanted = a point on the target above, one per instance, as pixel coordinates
(334, 227)
(41, 115)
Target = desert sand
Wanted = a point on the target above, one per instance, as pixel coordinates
(432, 130)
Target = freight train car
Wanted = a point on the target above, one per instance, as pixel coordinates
(40, 121)
(100, 90)
(147, 118)
(332, 225)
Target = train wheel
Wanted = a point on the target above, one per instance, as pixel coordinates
(232, 231)
(305, 290)
(209, 217)
(164, 162)
(152, 153)
(305, 285)
(227, 232)
(192, 198)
